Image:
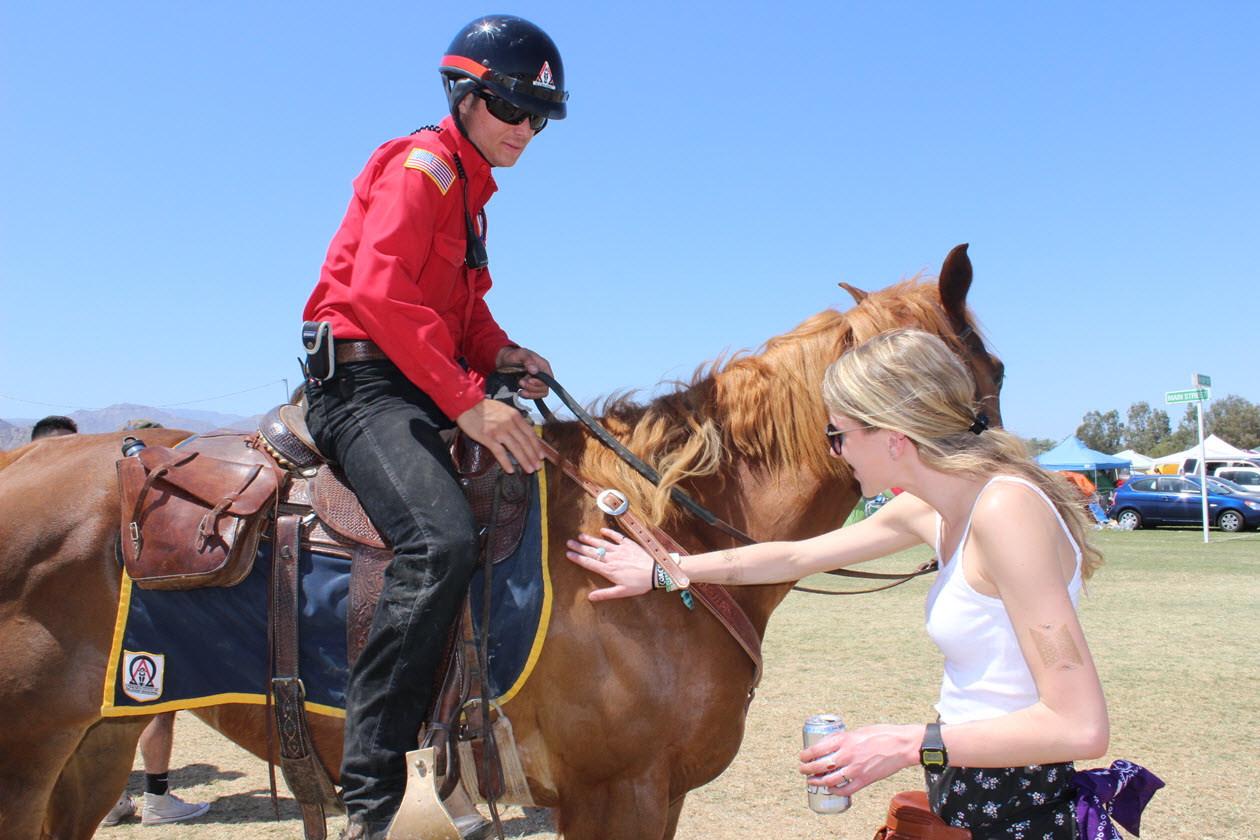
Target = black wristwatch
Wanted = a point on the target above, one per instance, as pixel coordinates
(932, 754)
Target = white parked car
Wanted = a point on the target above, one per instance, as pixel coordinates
(1191, 465)
(1247, 477)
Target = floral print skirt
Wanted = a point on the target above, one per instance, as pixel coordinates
(1006, 803)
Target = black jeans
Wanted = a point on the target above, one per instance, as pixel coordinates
(385, 433)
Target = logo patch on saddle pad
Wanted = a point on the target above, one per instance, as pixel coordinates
(142, 675)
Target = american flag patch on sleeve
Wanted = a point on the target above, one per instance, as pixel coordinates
(433, 166)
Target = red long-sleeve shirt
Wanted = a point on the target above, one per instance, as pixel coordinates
(395, 270)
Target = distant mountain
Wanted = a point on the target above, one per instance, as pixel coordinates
(9, 431)
(15, 434)
(216, 419)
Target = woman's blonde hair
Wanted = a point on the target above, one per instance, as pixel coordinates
(910, 382)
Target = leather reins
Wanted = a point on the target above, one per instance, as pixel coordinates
(640, 466)
(693, 507)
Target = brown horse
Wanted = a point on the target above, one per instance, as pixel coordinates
(632, 703)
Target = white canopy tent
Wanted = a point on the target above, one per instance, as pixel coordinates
(1141, 463)
(1216, 449)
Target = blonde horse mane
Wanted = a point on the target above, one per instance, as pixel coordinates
(764, 407)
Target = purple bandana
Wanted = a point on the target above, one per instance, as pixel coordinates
(1119, 793)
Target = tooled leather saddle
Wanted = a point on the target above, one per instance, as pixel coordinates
(282, 433)
(193, 516)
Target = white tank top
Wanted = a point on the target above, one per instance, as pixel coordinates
(985, 672)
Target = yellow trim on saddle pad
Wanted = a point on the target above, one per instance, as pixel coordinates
(544, 619)
(115, 648)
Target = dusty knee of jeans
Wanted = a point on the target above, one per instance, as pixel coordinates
(452, 548)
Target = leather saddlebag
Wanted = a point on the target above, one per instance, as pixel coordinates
(910, 818)
(191, 518)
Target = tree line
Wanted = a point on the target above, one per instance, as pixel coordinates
(1149, 430)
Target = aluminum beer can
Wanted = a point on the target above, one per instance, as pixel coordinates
(820, 801)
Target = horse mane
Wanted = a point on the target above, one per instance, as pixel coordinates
(763, 407)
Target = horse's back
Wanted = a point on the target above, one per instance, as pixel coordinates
(58, 577)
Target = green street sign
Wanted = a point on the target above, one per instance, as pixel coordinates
(1202, 380)
(1193, 395)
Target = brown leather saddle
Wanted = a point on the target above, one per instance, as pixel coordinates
(283, 433)
(193, 516)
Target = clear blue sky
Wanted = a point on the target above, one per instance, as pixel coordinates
(173, 172)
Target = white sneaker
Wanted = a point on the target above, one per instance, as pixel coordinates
(125, 808)
(162, 808)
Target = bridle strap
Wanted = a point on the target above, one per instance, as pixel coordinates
(659, 544)
(640, 466)
(929, 566)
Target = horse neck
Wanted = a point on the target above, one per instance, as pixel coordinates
(769, 506)
(758, 421)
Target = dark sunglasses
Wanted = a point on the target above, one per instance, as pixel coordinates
(835, 437)
(505, 111)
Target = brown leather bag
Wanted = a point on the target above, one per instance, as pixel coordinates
(192, 516)
(910, 818)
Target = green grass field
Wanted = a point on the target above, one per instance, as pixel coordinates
(1173, 624)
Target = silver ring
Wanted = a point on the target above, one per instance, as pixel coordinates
(846, 781)
(600, 553)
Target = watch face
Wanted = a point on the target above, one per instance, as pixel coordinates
(932, 758)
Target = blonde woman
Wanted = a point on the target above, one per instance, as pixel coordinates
(1020, 699)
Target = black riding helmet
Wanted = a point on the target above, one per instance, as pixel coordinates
(512, 58)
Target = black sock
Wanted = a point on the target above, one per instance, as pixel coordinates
(156, 783)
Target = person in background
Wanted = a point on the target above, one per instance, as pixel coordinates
(1020, 699)
(54, 425)
(160, 805)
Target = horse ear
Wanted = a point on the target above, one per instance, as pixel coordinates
(955, 282)
(858, 294)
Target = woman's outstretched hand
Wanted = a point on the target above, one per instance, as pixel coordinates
(627, 566)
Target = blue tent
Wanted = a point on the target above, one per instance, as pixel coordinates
(1071, 454)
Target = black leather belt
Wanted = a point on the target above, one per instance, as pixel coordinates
(358, 351)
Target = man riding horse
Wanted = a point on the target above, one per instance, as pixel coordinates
(400, 339)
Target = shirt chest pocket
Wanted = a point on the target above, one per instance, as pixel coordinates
(442, 278)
